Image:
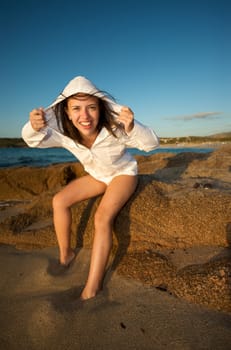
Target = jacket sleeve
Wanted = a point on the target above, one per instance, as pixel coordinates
(142, 138)
(40, 139)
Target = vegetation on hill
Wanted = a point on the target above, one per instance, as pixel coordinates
(224, 137)
(12, 142)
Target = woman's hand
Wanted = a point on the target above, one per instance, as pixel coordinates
(37, 119)
(126, 117)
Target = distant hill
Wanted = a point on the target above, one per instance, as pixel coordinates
(12, 142)
(221, 136)
(225, 136)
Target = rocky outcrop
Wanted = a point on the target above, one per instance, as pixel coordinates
(174, 233)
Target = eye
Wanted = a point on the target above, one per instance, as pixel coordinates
(76, 108)
(92, 107)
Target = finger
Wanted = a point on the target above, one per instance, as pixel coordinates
(37, 115)
(37, 111)
(37, 118)
(126, 109)
(125, 120)
(37, 122)
(126, 115)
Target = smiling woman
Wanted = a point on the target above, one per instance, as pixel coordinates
(83, 113)
(98, 132)
(82, 116)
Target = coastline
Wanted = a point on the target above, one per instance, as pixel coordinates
(214, 145)
(11, 157)
(6, 142)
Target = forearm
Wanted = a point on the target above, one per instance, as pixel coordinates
(142, 137)
(40, 139)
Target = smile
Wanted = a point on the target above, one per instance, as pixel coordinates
(85, 123)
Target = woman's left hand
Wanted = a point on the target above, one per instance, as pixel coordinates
(126, 117)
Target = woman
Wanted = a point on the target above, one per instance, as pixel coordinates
(97, 131)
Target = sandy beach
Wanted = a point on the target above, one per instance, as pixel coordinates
(42, 312)
(168, 285)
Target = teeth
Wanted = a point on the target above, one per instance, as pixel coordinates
(85, 123)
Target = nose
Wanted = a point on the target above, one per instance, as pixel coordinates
(85, 112)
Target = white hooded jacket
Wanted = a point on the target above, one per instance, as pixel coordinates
(108, 156)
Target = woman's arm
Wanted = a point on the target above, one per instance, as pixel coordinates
(137, 135)
(36, 133)
(142, 137)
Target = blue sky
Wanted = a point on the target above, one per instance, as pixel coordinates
(169, 60)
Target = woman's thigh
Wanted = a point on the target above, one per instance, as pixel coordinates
(80, 189)
(116, 195)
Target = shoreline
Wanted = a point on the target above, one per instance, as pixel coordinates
(214, 145)
(14, 157)
(19, 143)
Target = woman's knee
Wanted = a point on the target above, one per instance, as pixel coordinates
(102, 219)
(58, 201)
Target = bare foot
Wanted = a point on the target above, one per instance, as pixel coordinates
(88, 293)
(58, 268)
(66, 261)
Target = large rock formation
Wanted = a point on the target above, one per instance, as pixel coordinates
(174, 233)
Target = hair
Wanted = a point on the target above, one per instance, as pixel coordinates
(106, 118)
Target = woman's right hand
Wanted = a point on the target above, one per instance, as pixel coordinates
(37, 119)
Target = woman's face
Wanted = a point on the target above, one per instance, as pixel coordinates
(83, 111)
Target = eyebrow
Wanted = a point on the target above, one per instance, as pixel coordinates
(77, 105)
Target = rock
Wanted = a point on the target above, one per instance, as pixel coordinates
(182, 202)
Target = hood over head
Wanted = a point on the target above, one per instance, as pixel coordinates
(78, 85)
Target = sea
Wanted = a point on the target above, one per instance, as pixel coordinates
(37, 157)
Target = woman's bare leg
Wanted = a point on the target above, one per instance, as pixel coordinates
(78, 190)
(117, 194)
